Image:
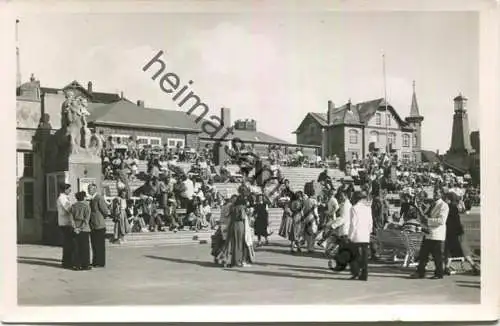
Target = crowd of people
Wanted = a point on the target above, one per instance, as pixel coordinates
(351, 212)
(355, 213)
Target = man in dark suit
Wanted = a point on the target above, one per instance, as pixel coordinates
(98, 212)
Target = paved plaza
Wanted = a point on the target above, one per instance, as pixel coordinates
(178, 275)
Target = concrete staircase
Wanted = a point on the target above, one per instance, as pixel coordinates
(183, 237)
(296, 175)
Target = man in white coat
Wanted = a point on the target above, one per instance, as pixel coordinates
(434, 238)
(360, 228)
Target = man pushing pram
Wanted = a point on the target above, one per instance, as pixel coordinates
(337, 243)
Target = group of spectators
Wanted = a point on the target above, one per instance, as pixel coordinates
(357, 211)
(118, 154)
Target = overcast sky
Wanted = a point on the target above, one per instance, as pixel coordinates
(271, 67)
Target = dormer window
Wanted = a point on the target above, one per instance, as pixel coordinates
(378, 119)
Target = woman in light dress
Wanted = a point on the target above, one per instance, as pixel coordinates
(119, 213)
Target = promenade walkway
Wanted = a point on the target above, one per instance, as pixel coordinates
(179, 275)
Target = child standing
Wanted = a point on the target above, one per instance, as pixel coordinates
(206, 212)
(261, 220)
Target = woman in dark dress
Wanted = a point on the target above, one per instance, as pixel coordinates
(261, 220)
(455, 244)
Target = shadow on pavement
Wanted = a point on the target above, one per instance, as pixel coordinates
(315, 254)
(39, 263)
(38, 258)
(281, 274)
(478, 286)
(185, 261)
(288, 265)
(469, 284)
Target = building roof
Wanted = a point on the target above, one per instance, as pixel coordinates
(349, 113)
(126, 113)
(321, 118)
(430, 156)
(250, 136)
(99, 97)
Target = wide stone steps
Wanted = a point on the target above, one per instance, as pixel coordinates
(184, 236)
(296, 175)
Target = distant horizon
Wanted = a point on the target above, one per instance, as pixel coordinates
(271, 67)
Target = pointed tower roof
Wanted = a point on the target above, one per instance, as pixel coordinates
(414, 112)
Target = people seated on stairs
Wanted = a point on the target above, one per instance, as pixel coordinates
(150, 214)
(195, 219)
(135, 217)
(206, 212)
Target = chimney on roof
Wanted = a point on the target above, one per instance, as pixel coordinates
(140, 103)
(225, 116)
(329, 114)
(89, 87)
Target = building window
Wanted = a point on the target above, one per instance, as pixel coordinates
(378, 119)
(120, 138)
(353, 136)
(28, 165)
(152, 141)
(406, 140)
(374, 137)
(392, 138)
(388, 119)
(29, 199)
(414, 140)
(25, 167)
(406, 157)
(53, 182)
(155, 141)
(120, 141)
(141, 141)
(175, 142)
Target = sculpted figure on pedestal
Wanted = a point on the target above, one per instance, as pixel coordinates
(76, 135)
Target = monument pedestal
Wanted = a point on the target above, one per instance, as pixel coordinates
(83, 169)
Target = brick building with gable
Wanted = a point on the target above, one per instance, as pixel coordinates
(353, 130)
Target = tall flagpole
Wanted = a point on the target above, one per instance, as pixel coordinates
(386, 111)
(18, 59)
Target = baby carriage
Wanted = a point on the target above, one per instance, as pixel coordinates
(340, 252)
(403, 245)
(217, 246)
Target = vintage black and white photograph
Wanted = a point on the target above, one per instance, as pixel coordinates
(258, 157)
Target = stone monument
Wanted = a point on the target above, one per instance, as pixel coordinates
(73, 153)
(79, 149)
